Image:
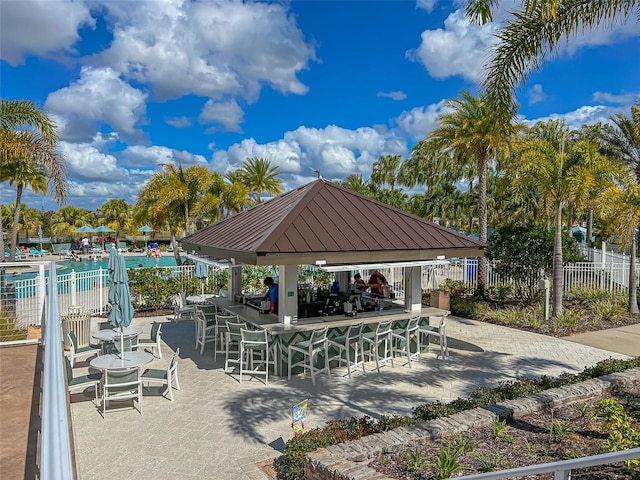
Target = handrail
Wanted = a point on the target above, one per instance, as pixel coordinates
(561, 469)
(55, 453)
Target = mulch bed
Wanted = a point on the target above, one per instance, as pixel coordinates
(162, 312)
(526, 441)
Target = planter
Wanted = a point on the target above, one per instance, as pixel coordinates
(440, 299)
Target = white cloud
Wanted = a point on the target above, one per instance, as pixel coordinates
(420, 121)
(208, 49)
(536, 94)
(427, 5)
(226, 113)
(178, 122)
(85, 162)
(584, 115)
(141, 156)
(98, 96)
(395, 95)
(619, 99)
(40, 27)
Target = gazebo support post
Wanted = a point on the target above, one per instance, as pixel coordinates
(413, 288)
(234, 281)
(287, 292)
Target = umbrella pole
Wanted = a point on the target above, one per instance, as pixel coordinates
(122, 342)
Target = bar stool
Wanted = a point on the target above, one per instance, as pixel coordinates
(255, 342)
(439, 332)
(310, 349)
(344, 343)
(402, 338)
(382, 335)
(205, 332)
(221, 320)
(233, 337)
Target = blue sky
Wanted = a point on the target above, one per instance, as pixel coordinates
(310, 85)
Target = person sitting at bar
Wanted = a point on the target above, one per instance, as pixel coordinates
(376, 282)
(358, 283)
(272, 293)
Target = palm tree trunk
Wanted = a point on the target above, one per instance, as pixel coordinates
(558, 269)
(16, 219)
(589, 228)
(1, 236)
(633, 279)
(176, 250)
(482, 221)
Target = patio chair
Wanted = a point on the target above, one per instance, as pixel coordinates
(120, 386)
(221, 320)
(181, 310)
(82, 381)
(439, 333)
(402, 339)
(128, 343)
(352, 340)
(168, 377)
(122, 247)
(233, 337)
(80, 353)
(154, 341)
(381, 336)
(256, 342)
(205, 332)
(310, 349)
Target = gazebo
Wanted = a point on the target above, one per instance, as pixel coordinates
(322, 223)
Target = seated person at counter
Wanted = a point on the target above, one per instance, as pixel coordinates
(358, 283)
(272, 293)
(376, 282)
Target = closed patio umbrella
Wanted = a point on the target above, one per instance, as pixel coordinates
(201, 273)
(119, 294)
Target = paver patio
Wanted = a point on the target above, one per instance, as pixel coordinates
(219, 429)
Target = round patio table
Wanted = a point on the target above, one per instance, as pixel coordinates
(117, 361)
(198, 299)
(112, 334)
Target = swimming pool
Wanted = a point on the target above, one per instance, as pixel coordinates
(130, 262)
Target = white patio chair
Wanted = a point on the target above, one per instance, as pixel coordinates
(310, 350)
(82, 352)
(344, 344)
(233, 337)
(168, 377)
(402, 339)
(255, 342)
(221, 320)
(121, 386)
(181, 310)
(154, 341)
(381, 336)
(439, 333)
(82, 381)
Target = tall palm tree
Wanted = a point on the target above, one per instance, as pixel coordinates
(260, 176)
(620, 205)
(67, 219)
(534, 33)
(29, 136)
(116, 212)
(357, 184)
(172, 195)
(384, 171)
(561, 172)
(474, 136)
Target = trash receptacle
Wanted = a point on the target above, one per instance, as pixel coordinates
(78, 321)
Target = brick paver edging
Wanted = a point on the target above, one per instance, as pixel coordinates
(350, 460)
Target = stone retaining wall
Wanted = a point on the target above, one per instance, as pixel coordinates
(350, 460)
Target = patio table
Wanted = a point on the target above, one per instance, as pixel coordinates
(117, 361)
(111, 334)
(198, 299)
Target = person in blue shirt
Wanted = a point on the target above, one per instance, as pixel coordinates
(272, 293)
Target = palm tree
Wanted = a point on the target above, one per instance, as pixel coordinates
(28, 138)
(116, 212)
(620, 205)
(474, 136)
(357, 184)
(67, 219)
(172, 195)
(535, 32)
(561, 172)
(260, 176)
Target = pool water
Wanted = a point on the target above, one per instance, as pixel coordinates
(130, 262)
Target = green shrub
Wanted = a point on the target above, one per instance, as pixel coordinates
(608, 310)
(569, 321)
(587, 295)
(469, 307)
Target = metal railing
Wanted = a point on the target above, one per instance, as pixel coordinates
(561, 470)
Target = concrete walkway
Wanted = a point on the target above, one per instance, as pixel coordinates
(219, 429)
(624, 340)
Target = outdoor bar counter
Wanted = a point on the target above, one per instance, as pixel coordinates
(270, 323)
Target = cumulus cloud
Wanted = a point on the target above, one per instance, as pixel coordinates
(226, 113)
(584, 115)
(420, 121)
(141, 156)
(178, 122)
(209, 49)
(626, 98)
(395, 95)
(85, 162)
(536, 94)
(40, 27)
(99, 95)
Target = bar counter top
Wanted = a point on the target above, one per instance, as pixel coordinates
(270, 323)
